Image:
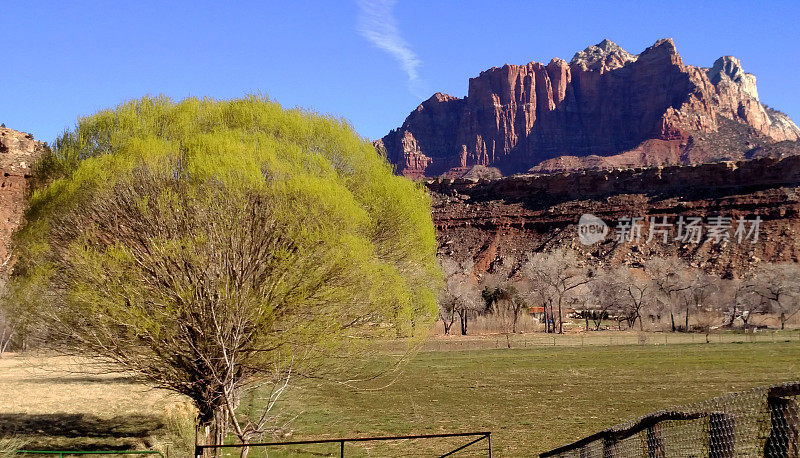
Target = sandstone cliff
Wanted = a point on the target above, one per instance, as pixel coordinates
(18, 153)
(502, 222)
(605, 108)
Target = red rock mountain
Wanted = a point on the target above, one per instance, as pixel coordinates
(606, 108)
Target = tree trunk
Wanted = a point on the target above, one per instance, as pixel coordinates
(221, 420)
(672, 318)
(212, 429)
(448, 325)
(205, 432)
(462, 314)
(546, 319)
(560, 320)
(686, 329)
(783, 321)
(514, 323)
(206, 436)
(586, 317)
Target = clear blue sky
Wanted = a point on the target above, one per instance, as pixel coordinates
(370, 62)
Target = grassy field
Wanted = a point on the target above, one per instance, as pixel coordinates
(532, 399)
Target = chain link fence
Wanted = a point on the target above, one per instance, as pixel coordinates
(755, 423)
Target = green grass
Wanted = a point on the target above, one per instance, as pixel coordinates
(536, 399)
(532, 399)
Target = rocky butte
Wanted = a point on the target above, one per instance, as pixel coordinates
(606, 108)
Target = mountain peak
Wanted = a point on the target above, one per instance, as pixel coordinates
(605, 55)
(607, 44)
(729, 68)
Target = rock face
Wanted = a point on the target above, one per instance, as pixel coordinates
(502, 222)
(605, 108)
(18, 152)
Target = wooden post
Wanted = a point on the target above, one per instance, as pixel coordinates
(782, 440)
(655, 443)
(721, 435)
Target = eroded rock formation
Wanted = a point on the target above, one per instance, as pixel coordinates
(605, 108)
(18, 153)
(502, 222)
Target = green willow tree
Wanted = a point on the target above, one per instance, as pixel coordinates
(211, 246)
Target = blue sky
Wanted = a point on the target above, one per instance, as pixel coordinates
(371, 62)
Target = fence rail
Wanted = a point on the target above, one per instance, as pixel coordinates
(63, 453)
(759, 422)
(479, 436)
(597, 338)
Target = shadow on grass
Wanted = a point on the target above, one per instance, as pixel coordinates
(83, 379)
(79, 425)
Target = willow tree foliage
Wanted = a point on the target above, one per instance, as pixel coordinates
(209, 245)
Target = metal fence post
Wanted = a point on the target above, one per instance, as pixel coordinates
(610, 448)
(655, 443)
(783, 431)
(341, 449)
(721, 435)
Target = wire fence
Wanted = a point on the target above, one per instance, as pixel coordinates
(755, 423)
(593, 338)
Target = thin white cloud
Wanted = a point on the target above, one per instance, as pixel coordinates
(377, 24)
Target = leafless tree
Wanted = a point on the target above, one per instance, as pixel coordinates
(743, 301)
(608, 294)
(506, 302)
(779, 285)
(627, 292)
(447, 311)
(700, 289)
(461, 295)
(535, 294)
(6, 332)
(639, 290)
(668, 276)
(557, 275)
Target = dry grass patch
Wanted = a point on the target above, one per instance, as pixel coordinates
(57, 402)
